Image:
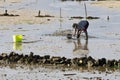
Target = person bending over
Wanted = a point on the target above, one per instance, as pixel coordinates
(79, 27)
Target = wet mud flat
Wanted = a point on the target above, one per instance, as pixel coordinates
(15, 66)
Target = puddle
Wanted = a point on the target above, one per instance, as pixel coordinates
(103, 42)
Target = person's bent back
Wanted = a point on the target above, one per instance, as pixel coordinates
(81, 26)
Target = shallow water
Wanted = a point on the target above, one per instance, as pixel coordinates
(105, 40)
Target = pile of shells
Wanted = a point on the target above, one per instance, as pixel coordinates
(88, 17)
(56, 60)
(77, 17)
(44, 16)
(91, 17)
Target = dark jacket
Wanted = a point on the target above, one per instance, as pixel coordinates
(83, 25)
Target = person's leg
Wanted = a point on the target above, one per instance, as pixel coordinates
(86, 34)
(78, 34)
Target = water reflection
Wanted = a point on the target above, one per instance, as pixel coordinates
(17, 45)
(81, 48)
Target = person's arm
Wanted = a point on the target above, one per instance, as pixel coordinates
(75, 32)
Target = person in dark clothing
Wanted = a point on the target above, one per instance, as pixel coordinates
(81, 26)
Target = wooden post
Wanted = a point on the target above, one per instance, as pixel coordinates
(85, 11)
(39, 13)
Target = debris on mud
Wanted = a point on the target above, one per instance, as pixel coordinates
(6, 14)
(88, 17)
(39, 15)
(91, 17)
(77, 17)
(44, 16)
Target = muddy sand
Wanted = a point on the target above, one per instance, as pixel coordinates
(23, 17)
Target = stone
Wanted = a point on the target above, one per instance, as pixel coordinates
(46, 57)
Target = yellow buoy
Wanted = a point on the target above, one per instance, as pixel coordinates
(17, 38)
